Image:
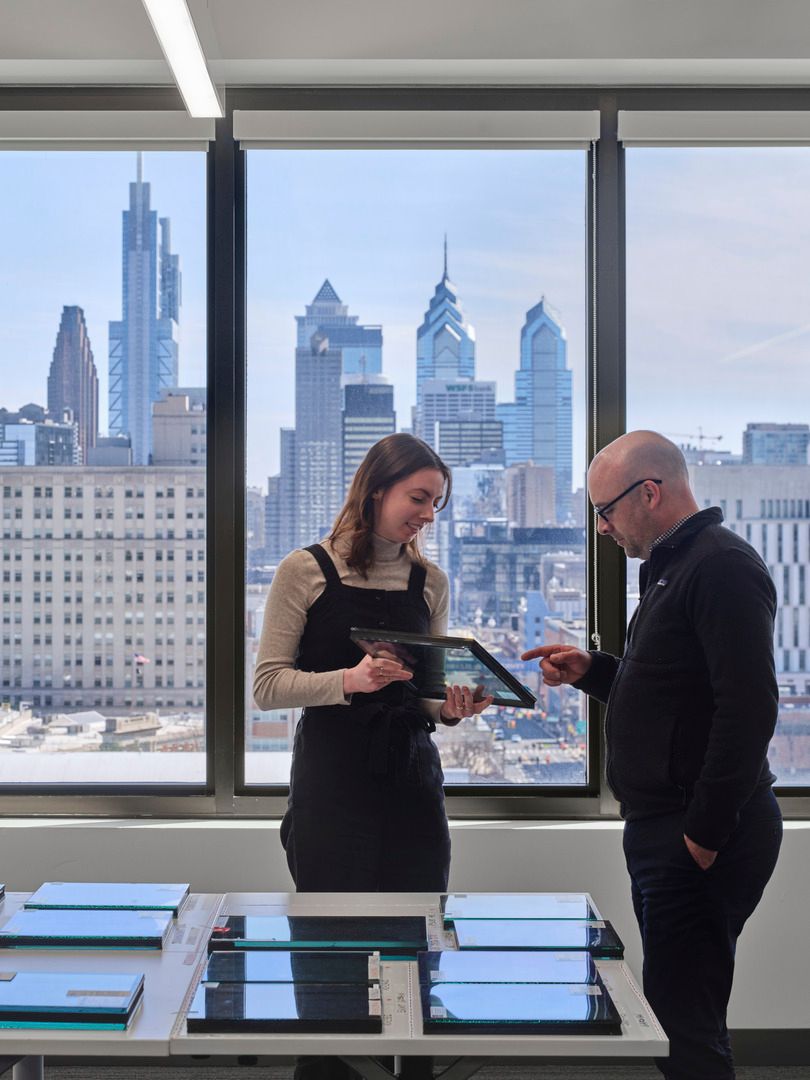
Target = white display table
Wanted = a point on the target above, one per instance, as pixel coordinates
(159, 1028)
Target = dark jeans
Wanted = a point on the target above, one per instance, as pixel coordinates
(690, 920)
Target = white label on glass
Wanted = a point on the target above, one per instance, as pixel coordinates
(438, 1012)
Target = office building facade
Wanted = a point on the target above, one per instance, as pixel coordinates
(103, 587)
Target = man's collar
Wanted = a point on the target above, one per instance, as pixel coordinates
(687, 527)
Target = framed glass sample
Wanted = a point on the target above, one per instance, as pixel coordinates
(284, 1007)
(111, 895)
(439, 662)
(506, 967)
(516, 906)
(55, 999)
(263, 965)
(86, 930)
(595, 936)
(528, 1009)
(395, 936)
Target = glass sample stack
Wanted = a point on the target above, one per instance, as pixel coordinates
(525, 965)
(401, 937)
(95, 915)
(516, 906)
(529, 921)
(74, 1000)
(514, 993)
(288, 992)
(86, 930)
(110, 895)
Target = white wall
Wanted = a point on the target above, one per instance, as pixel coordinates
(771, 983)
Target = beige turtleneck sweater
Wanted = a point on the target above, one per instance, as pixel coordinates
(297, 584)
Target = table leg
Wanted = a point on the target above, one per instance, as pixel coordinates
(368, 1068)
(462, 1068)
(30, 1068)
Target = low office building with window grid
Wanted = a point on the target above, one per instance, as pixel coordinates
(102, 588)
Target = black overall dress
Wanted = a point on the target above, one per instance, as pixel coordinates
(366, 807)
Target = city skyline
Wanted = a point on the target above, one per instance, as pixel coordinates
(59, 220)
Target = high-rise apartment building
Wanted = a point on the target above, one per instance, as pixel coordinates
(537, 425)
(368, 416)
(776, 444)
(73, 380)
(143, 343)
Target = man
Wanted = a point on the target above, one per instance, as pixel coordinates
(691, 708)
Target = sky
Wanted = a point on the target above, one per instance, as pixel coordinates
(718, 321)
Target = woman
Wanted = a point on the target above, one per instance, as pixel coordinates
(366, 808)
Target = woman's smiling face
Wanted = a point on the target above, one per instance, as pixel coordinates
(401, 511)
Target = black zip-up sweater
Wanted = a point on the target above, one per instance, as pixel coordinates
(692, 704)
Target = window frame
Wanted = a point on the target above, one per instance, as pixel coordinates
(225, 794)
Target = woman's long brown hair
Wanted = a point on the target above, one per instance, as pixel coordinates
(387, 462)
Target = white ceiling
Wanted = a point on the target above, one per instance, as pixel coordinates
(411, 41)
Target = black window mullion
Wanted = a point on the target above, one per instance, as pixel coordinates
(226, 496)
(606, 396)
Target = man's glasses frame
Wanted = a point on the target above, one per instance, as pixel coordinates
(602, 511)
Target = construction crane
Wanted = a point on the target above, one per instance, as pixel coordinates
(701, 438)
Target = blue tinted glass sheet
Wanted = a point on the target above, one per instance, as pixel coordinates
(597, 938)
(506, 967)
(509, 1008)
(298, 967)
(389, 935)
(284, 1007)
(135, 896)
(517, 906)
(60, 999)
(30, 928)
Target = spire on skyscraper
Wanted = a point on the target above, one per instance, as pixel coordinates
(444, 276)
(139, 168)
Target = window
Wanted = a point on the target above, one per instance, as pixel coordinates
(347, 251)
(713, 358)
(516, 235)
(86, 218)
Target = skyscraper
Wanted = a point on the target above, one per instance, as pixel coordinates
(537, 425)
(143, 344)
(330, 346)
(445, 342)
(360, 346)
(73, 380)
(368, 416)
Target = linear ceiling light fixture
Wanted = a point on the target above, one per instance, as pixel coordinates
(173, 25)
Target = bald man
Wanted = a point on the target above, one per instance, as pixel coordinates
(691, 708)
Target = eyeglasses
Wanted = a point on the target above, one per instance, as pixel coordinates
(602, 511)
